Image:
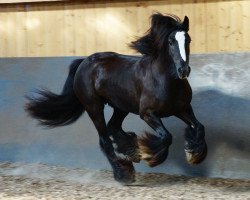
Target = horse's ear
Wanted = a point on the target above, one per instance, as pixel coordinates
(185, 24)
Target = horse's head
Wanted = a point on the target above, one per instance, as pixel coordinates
(167, 38)
(178, 46)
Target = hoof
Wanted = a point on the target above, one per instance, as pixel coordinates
(124, 172)
(153, 150)
(196, 155)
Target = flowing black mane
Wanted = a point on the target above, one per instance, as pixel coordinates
(155, 38)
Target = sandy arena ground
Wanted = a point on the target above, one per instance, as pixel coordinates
(36, 181)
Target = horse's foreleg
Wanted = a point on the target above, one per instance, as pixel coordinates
(195, 144)
(123, 169)
(154, 148)
(124, 143)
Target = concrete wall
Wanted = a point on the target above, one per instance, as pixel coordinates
(221, 102)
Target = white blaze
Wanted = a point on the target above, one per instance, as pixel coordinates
(180, 37)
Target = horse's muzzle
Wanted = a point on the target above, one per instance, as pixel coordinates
(183, 72)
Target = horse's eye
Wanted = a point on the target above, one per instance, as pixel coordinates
(170, 42)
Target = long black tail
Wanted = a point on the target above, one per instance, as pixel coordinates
(57, 110)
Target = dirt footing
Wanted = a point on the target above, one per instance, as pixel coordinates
(37, 181)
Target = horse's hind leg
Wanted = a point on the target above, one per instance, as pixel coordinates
(123, 169)
(124, 143)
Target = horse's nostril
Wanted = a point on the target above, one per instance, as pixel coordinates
(180, 70)
(183, 71)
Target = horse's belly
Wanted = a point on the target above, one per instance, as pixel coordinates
(123, 101)
(119, 97)
(122, 104)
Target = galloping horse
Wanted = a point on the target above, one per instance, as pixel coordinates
(152, 86)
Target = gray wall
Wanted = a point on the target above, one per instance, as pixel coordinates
(221, 102)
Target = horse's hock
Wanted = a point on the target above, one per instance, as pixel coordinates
(221, 101)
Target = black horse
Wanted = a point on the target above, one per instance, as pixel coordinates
(153, 86)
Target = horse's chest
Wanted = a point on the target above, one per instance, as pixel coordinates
(173, 101)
